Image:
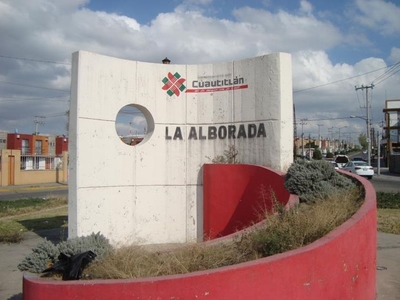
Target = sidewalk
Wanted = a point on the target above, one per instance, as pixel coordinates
(384, 173)
(388, 264)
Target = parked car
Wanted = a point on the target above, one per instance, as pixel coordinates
(360, 168)
(341, 160)
(358, 159)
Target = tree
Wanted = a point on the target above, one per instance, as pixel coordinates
(317, 154)
(362, 139)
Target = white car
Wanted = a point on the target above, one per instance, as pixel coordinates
(360, 168)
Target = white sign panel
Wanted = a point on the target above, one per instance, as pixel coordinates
(152, 192)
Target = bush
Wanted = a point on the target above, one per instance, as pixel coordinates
(315, 180)
(388, 200)
(329, 155)
(317, 155)
(46, 253)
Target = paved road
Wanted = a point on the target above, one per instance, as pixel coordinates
(33, 191)
(386, 182)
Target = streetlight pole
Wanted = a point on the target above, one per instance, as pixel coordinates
(319, 135)
(303, 122)
(368, 134)
(340, 142)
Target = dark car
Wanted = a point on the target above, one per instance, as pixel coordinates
(358, 159)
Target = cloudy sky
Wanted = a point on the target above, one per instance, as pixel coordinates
(335, 46)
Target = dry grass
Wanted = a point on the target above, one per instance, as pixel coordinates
(283, 231)
(137, 261)
(389, 220)
(28, 206)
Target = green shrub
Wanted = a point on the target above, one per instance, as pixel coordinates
(329, 155)
(46, 253)
(315, 180)
(388, 200)
(41, 257)
(317, 154)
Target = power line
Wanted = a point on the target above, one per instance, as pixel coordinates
(381, 77)
(337, 81)
(13, 99)
(36, 60)
(327, 119)
(35, 86)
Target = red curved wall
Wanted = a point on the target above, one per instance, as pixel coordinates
(341, 265)
(237, 196)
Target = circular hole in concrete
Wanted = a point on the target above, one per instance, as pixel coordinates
(134, 124)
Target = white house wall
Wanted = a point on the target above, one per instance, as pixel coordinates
(152, 192)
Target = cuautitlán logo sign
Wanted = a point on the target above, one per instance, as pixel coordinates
(173, 84)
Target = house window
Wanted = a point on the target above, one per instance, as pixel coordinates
(38, 147)
(25, 147)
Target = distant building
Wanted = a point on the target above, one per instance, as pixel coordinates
(3, 140)
(391, 142)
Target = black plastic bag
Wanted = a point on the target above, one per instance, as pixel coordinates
(71, 267)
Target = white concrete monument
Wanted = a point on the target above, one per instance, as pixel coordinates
(152, 192)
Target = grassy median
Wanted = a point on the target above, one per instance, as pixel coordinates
(20, 216)
(388, 212)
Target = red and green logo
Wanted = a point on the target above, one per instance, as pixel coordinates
(173, 84)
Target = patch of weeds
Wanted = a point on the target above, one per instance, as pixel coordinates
(229, 156)
(388, 200)
(389, 220)
(299, 226)
(17, 207)
(10, 234)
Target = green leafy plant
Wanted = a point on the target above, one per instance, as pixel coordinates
(329, 155)
(317, 154)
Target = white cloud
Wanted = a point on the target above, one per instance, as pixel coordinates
(379, 15)
(394, 55)
(53, 30)
(306, 7)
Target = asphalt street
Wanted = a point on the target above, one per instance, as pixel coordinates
(33, 191)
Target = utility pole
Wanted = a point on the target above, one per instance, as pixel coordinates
(331, 142)
(319, 136)
(340, 141)
(302, 123)
(368, 120)
(38, 121)
(379, 153)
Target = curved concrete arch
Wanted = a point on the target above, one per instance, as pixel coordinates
(153, 193)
